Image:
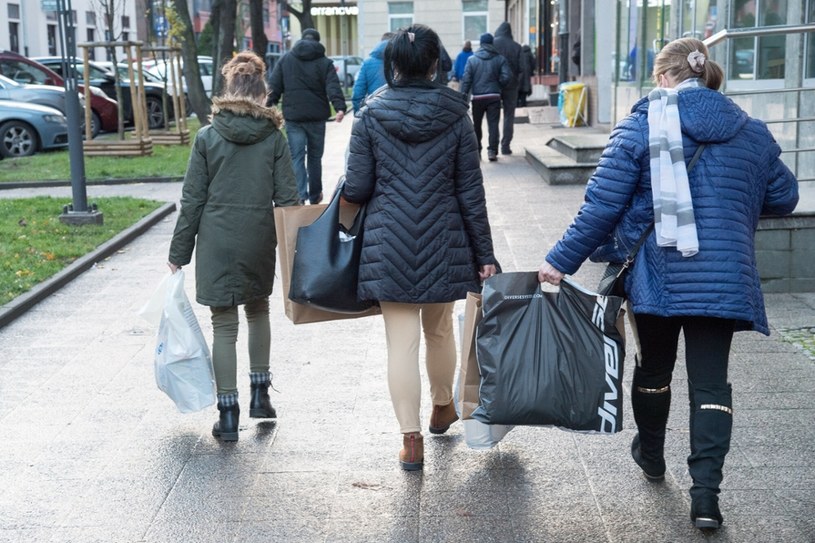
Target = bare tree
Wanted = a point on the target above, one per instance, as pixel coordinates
(225, 41)
(108, 10)
(259, 40)
(181, 33)
(303, 15)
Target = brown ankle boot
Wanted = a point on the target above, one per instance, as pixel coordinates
(442, 417)
(412, 454)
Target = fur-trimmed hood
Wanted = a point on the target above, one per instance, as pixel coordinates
(242, 120)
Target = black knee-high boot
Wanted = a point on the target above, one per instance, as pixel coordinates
(651, 408)
(710, 430)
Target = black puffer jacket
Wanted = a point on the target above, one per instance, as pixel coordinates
(306, 80)
(414, 159)
(486, 73)
(511, 50)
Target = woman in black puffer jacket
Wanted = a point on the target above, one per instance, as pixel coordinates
(414, 160)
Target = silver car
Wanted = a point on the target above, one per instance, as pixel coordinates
(44, 95)
(27, 128)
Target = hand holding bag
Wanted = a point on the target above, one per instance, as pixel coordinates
(325, 269)
(550, 358)
(182, 362)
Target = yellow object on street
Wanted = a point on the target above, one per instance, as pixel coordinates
(572, 104)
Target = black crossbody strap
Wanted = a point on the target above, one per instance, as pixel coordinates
(630, 258)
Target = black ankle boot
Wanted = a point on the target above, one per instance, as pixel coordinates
(704, 512)
(261, 406)
(227, 426)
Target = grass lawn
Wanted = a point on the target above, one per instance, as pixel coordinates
(166, 161)
(34, 244)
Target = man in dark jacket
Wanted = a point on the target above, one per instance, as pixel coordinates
(307, 81)
(511, 50)
(485, 75)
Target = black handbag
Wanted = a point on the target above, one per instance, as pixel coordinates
(325, 268)
(613, 281)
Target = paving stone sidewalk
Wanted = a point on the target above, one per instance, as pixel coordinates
(92, 451)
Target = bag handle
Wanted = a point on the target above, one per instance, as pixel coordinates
(332, 212)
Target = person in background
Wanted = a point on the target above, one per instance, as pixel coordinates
(527, 70)
(696, 272)
(511, 50)
(371, 75)
(427, 242)
(461, 61)
(486, 74)
(239, 169)
(306, 80)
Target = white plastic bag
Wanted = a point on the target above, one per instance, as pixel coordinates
(183, 364)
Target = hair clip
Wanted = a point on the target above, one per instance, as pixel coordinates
(696, 60)
(411, 36)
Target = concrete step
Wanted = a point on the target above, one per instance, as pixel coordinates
(556, 168)
(580, 148)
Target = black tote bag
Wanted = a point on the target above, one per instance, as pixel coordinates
(325, 267)
(550, 358)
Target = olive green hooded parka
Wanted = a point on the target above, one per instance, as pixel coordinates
(239, 170)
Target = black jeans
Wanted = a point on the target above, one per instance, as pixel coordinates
(493, 110)
(509, 99)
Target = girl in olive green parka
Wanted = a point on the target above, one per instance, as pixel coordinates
(239, 170)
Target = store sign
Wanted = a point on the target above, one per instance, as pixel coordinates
(335, 11)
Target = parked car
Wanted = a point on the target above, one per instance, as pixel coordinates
(28, 128)
(347, 68)
(44, 95)
(27, 71)
(158, 68)
(105, 80)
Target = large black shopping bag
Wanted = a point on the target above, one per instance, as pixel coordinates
(550, 358)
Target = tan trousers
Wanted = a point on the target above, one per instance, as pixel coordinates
(402, 329)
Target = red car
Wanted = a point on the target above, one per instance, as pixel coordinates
(24, 70)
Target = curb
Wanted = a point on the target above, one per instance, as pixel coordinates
(26, 301)
(67, 182)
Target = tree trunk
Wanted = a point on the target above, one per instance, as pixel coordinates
(303, 16)
(226, 40)
(259, 39)
(189, 52)
(215, 21)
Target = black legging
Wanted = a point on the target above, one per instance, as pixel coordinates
(707, 349)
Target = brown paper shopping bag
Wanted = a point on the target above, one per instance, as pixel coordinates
(287, 221)
(469, 378)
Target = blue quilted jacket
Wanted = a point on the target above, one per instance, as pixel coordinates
(738, 177)
(414, 160)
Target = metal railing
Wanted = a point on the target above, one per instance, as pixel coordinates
(735, 33)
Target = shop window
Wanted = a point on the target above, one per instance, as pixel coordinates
(700, 19)
(400, 15)
(475, 19)
(758, 58)
(51, 31)
(643, 31)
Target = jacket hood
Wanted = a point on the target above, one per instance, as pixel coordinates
(379, 50)
(486, 51)
(504, 31)
(308, 50)
(243, 121)
(417, 111)
(707, 116)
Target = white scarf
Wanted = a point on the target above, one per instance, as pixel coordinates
(674, 223)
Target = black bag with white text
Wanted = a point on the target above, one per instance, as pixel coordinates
(550, 358)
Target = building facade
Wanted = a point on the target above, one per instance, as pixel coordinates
(28, 29)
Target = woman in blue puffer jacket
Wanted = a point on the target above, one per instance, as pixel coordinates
(696, 272)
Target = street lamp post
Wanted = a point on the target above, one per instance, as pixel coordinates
(78, 212)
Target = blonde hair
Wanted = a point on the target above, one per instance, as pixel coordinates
(687, 58)
(245, 77)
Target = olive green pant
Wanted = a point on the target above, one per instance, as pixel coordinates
(225, 336)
